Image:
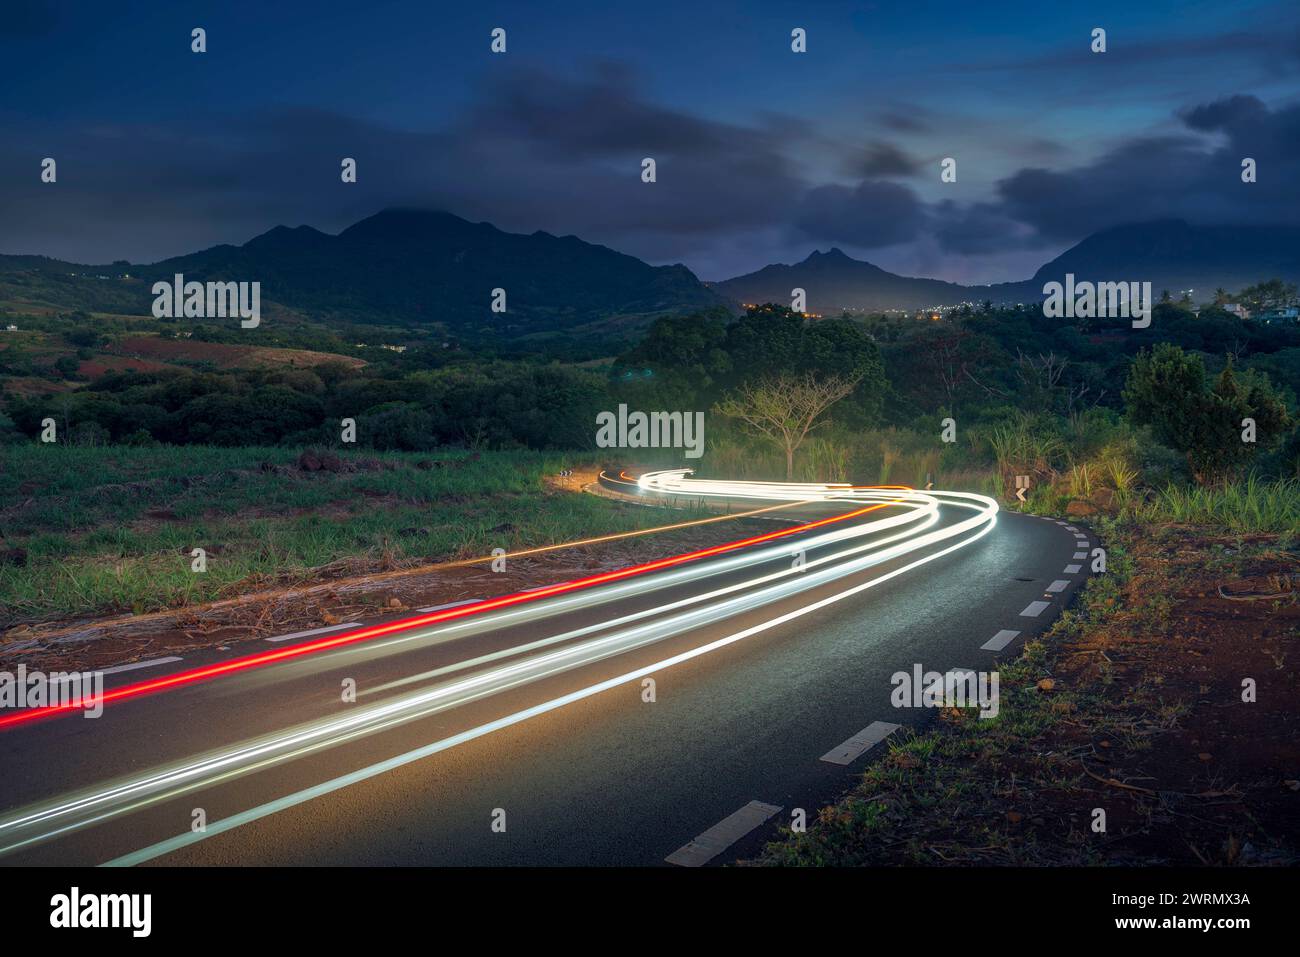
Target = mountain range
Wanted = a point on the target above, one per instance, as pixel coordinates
(1170, 254)
(411, 267)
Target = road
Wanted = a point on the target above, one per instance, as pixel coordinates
(524, 732)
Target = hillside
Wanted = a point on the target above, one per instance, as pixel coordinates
(398, 267)
(1170, 254)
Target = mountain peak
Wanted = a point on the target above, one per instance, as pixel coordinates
(279, 235)
(833, 254)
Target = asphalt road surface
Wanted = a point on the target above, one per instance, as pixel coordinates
(525, 733)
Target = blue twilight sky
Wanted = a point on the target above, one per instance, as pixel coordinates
(763, 154)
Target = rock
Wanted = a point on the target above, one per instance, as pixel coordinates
(1078, 507)
(1103, 498)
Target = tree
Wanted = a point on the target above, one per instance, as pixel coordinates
(1267, 295)
(784, 408)
(1168, 389)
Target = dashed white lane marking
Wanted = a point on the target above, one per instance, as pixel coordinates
(119, 668)
(1079, 555)
(450, 604)
(1000, 640)
(1072, 569)
(722, 835)
(1059, 585)
(139, 664)
(68, 677)
(860, 743)
(313, 631)
(1034, 609)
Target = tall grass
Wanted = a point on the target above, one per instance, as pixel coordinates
(106, 530)
(1252, 505)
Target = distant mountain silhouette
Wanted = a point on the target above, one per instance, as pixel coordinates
(1175, 255)
(421, 268)
(413, 267)
(835, 282)
(1170, 254)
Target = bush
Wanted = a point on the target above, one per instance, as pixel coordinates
(1168, 390)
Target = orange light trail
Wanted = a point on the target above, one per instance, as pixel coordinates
(247, 662)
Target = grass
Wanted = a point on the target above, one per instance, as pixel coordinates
(110, 530)
(1248, 506)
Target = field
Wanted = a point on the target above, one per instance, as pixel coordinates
(103, 531)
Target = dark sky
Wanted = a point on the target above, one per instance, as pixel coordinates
(763, 155)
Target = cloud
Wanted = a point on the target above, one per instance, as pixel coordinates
(562, 151)
(880, 158)
(1194, 174)
(872, 214)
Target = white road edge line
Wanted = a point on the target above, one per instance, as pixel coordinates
(722, 835)
(1071, 569)
(860, 743)
(450, 604)
(140, 664)
(1060, 584)
(314, 631)
(120, 668)
(1034, 609)
(1079, 555)
(1000, 640)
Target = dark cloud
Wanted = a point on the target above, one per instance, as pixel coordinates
(899, 122)
(883, 159)
(872, 214)
(979, 228)
(536, 150)
(562, 152)
(1189, 175)
(1233, 113)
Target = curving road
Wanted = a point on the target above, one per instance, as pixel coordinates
(522, 730)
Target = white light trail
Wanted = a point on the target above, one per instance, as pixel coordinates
(918, 514)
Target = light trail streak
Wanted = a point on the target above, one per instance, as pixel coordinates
(355, 777)
(96, 805)
(245, 663)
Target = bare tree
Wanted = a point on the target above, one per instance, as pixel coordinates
(1041, 372)
(783, 409)
(945, 354)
